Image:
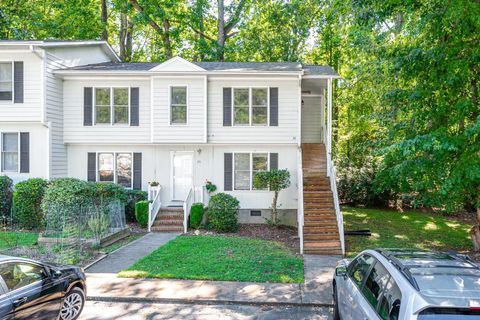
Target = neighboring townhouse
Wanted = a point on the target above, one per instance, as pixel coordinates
(73, 109)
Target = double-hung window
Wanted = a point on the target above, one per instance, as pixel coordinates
(112, 106)
(246, 165)
(178, 105)
(10, 152)
(250, 106)
(115, 167)
(6, 81)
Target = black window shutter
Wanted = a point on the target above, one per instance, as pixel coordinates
(274, 107)
(87, 106)
(137, 171)
(134, 106)
(18, 81)
(227, 107)
(92, 166)
(24, 152)
(273, 161)
(227, 171)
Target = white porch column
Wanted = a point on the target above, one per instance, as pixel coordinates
(329, 125)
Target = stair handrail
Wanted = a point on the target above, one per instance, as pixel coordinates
(336, 202)
(300, 212)
(187, 205)
(154, 205)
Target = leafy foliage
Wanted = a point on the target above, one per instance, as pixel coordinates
(27, 200)
(6, 195)
(141, 213)
(196, 215)
(133, 196)
(275, 180)
(222, 212)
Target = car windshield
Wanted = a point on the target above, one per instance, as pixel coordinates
(449, 314)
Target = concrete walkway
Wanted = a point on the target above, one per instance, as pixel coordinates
(129, 254)
(316, 291)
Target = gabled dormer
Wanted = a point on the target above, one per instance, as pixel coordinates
(177, 64)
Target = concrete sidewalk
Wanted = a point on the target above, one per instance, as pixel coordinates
(129, 254)
(316, 291)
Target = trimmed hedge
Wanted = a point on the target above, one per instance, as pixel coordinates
(196, 215)
(141, 213)
(222, 212)
(6, 196)
(133, 196)
(27, 200)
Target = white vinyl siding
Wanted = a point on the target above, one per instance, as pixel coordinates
(76, 132)
(288, 105)
(312, 119)
(166, 132)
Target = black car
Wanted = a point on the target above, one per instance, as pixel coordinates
(39, 291)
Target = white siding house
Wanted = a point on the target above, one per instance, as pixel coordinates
(84, 114)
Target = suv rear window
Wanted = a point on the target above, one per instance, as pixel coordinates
(449, 314)
(376, 281)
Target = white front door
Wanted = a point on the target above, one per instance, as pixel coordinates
(182, 174)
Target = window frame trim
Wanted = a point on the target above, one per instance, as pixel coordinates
(112, 107)
(115, 179)
(250, 153)
(12, 64)
(170, 87)
(18, 151)
(250, 106)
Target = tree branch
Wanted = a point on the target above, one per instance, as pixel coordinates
(235, 18)
(152, 23)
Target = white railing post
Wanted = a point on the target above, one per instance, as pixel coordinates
(300, 215)
(187, 205)
(154, 205)
(329, 124)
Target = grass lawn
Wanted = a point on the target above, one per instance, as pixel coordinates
(10, 239)
(220, 258)
(392, 229)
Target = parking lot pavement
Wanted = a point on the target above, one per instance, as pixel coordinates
(140, 311)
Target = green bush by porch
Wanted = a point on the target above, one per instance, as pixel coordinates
(220, 258)
(141, 213)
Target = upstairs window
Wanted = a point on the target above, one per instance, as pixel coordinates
(178, 105)
(112, 106)
(116, 168)
(10, 152)
(6, 81)
(250, 106)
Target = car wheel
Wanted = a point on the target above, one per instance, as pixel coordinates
(336, 314)
(72, 305)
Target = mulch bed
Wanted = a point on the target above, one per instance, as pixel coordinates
(284, 234)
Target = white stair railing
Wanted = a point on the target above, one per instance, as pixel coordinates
(332, 173)
(187, 205)
(154, 205)
(300, 214)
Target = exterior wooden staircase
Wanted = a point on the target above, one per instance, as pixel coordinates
(169, 219)
(320, 229)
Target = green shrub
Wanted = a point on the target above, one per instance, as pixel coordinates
(222, 212)
(108, 191)
(6, 195)
(141, 213)
(133, 196)
(196, 215)
(27, 200)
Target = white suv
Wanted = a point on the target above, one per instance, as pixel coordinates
(406, 284)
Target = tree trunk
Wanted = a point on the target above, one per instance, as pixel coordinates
(104, 20)
(475, 231)
(123, 36)
(221, 30)
(129, 41)
(274, 209)
(167, 45)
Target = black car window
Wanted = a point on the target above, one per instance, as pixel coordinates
(389, 307)
(375, 283)
(359, 269)
(20, 274)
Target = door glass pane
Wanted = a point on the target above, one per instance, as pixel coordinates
(124, 169)
(242, 171)
(6, 84)
(120, 105)
(105, 167)
(390, 303)
(102, 105)
(241, 107)
(359, 268)
(10, 152)
(375, 283)
(18, 275)
(260, 163)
